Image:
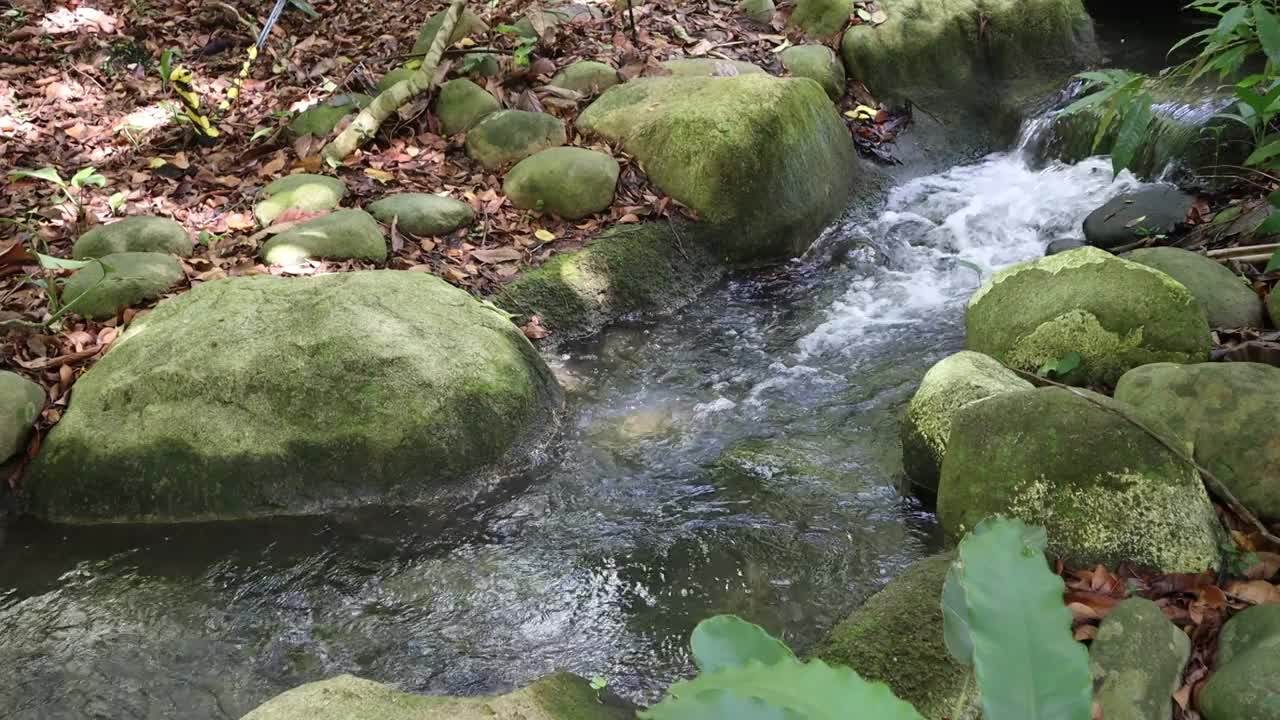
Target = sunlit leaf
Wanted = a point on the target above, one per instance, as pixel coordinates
(726, 641)
(544, 235)
(87, 176)
(47, 174)
(54, 263)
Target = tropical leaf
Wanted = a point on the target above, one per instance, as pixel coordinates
(1268, 31)
(1133, 130)
(955, 617)
(726, 641)
(1264, 153)
(50, 262)
(1273, 264)
(47, 174)
(87, 176)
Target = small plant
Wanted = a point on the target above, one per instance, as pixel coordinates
(47, 280)
(599, 683)
(524, 44)
(1061, 367)
(72, 190)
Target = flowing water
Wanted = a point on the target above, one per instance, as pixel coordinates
(740, 456)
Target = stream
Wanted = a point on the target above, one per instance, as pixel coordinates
(740, 456)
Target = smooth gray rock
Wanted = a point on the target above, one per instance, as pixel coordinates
(1128, 218)
(1137, 661)
(20, 404)
(141, 233)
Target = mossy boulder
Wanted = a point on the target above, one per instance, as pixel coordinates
(1137, 661)
(321, 119)
(818, 63)
(340, 235)
(1227, 412)
(766, 160)
(462, 103)
(628, 269)
(130, 278)
(760, 11)
(1243, 686)
(570, 182)
(896, 638)
(311, 193)
(1131, 217)
(140, 233)
(509, 136)
(20, 404)
(821, 18)
(1107, 491)
(263, 395)
(951, 384)
(468, 24)
(422, 213)
(1227, 299)
(587, 77)
(397, 75)
(480, 64)
(711, 67)
(1116, 314)
(556, 697)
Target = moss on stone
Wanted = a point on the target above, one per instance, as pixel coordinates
(567, 181)
(468, 24)
(299, 192)
(340, 235)
(821, 18)
(1137, 661)
(559, 15)
(509, 136)
(397, 75)
(1106, 490)
(140, 233)
(759, 11)
(587, 76)
(819, 63)
(422, 213)
(20, 404)
(461, 104)
(263, 395)
(321, 119)
(711, 67)
(1244, 687)
(1226, 298)
(130, 278)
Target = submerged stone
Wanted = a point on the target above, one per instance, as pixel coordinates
(130, 278)
(1227, 299)
(818, 63)
(263, 395)
(1243, 686)
(461, 104)
(570, 182)
(468, 24)
(587, 77)
(422, 213)
(1116, 314)
(509, 136)
(1106, 491)
(20, 404)
(1137, 661)
(1131, 217)
(821, 18)
(139, 233)
(340, 235)
(321, 119)
(311, 193)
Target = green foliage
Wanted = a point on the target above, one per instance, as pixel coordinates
(1061, 367)
(72, 190)
(524, 45)
(726, 641)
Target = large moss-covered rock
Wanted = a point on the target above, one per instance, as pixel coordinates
(1130, 217)
(556, 697)
(509, 136)
(1107, 491)
(130, 278)
(298, 192)
(422, 213)
(766, 159)
(569, 182)
(1244, 686)
(20, 404)
(628, 269)
(468, 24)
(896, 638)
(818, 63)
(951, 384)
(1227, 299)
(1137, 662)
(462, 103)
(1228, 412)
(321, 119)
(821, 18)
(134, 234)
(264, 395)
(587, 77)
(340, 235)
(1115, 313)
(711, 67)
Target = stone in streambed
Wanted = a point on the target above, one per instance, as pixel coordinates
(423, 214)
(321, 119)
(821, 18)
(509, 136)
(134, 234)
(263, 395)
(587, 77)
(1227, 412)
(468, 24)
(818, 63)
(20, 404)
(1106, 491)
(1064, 244)
(1244, 684)
(461, 104)
(1227, 299)
(567, 181)
(130, 278)
(1137, 661)
(760, 11)
(311, 193)
(711, 67)
(340, 235)
(1131, 217)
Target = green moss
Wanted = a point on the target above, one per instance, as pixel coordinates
(1137, 661)
(20, 404)
(321, 119)
(509, 136)
(468, 24)
(818, 63)
(587, 77)
(397, 75)
(567, 181)
(423, 214)
(760, 11)
(1244, 684)
(299, 192)
(340, 235)
(821, 18)
(131, 278)
(461, 104)
(133, 234)
(1226, 298)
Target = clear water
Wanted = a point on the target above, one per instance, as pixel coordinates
(740, 456)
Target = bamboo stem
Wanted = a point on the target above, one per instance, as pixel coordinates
(1243, 250)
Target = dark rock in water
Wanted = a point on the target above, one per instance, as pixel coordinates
(1063, 244)
(1129, 218)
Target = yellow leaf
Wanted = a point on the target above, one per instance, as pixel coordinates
(544, 235)
(381, 176)
(466, 42)
(862, 112)
(154, 163)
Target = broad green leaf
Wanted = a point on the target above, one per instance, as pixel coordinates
(53, 263)
(786, 691)
(1268, 31)
(306, 8)
(955, 617)
(1227, 215)
(1273, 264)
(1264, 153)
(1092, 100)
(1270, 226)
(726, 641)
(166, 65)
(1133, 130)
(1230, 21)
(87, 176)
(1104, 124)
(47, 174)
(1189, 38)
(116, 201)
(1028, 665)
(1063, 366)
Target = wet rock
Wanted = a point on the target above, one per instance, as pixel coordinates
(1131, 217)
(20, 404)
(1137, 661)
(1062, 245)
(263, 395)
(553, 16)
(570, 182)
(1106, 490)
(1244, 686)
(397, 75)
(509, 136)
(1227, 412)
(340, 235)
(767, 159)
(321, 119)
(1273, 308)
(461, 104)
(130, 278)
(711, 67)
(422, 213)
(818, 63)
(587, 77)
(821, 18)
(896, 638)
(760, 11)
(134, 234)
(1227, 298)
(950, 385)
(299, 192)
(556, 697)
(468, 24)
(1116, 314)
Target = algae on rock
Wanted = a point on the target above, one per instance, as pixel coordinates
(340, 235)
(311, 193)
(140, 233)
(1137, 661)
(818, 63)
(130, 278)
(587, 77)
(468, 24)
(567, 181)
(423, 213)
(1226, 298)
(1243, 686)
(321, 119)
(461, 104)
(509, 136)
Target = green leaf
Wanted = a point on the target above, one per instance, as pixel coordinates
(1089, 101)
(1270, 226)
(1028, 665)
(1268, 31)
(53, 263)
(87, 176)
(306, 8)
(1227, 215)
(116, 201)
(787, 691)
(726, 641)
(1264, 153)
(166, 65)
(1273, 264)
(47, 174)
(955, 617)
(599, 682)
(1133, 130)
(1063, 366)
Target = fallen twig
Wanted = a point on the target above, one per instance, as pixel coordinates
(1242, 250)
